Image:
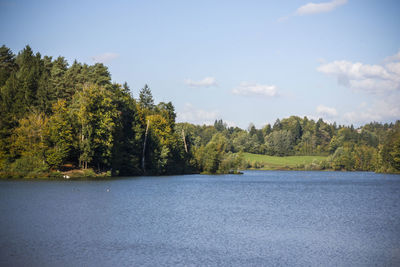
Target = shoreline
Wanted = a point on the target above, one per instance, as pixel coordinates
(101, 176)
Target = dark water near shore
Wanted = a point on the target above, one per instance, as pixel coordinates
(256, 219)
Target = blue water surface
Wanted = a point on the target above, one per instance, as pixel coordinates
(260, 218)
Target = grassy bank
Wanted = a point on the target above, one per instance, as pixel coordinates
(71, 174)
(264, 162)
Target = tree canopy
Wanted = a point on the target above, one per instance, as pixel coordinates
(56, 116)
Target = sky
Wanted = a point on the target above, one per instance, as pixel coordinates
(240, 61)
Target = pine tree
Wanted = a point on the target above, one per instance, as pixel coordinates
(58, 70)
(146, 98)
(7, 64)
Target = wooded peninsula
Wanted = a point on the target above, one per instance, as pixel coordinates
(58, 118)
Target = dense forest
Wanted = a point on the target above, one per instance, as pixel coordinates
(57, 117)
(373, 147)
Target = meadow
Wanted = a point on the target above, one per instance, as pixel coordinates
(265, 162)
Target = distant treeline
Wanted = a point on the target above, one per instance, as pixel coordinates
(372, 147)
(60, 117)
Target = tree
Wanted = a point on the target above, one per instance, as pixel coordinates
(96, 113)
(126, 153)
(307, 144)
(125, 89)
(98, 74)
(62, 139)
(395, 153)
(29, 144)
(219, 125)
(7, 64)
(252, 129)
(389, 152)
(266, 130)
(342, 159)
(364, 158)
(160, 142)
(335, 143)
(28, 73)
(277, 125)
(82, 117)
(167, 110)
(243, 141)
(210, 157)
(58, 70)
(74, 80)
(279, 143)
(297, 131)
(146, 98)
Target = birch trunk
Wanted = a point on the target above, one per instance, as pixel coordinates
(184, 140)
(144, 147)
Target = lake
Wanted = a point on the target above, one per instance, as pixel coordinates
(256, 219)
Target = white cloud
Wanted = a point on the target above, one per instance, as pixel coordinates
(284, 18)
(315, 8)
(251, 89)
(380, 111)
(196, 116)
(206, 82)
(395, 57)
(364, 77)
(326, 111)
(380, 80)
(106, 57)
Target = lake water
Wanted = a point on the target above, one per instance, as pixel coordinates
(256, 219)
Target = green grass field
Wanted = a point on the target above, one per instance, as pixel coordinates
(265, 162)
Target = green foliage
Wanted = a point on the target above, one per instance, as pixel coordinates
(389, 151)
(29, 138)
(89, 173)
(242, 141)
(58, 69)
(73, 116)
(219, 125)
(61, 135)
(59, 117)
(96, 114)
(126, 152)
(28, 166)
(214, 157)
(146, 98)
(365, 158)
(231, 163)
(280, 143)
(342, 159)
(7, 64)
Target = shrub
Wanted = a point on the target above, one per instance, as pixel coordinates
(89, 173)
(31, 167)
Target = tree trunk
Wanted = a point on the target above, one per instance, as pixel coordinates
(81, 161)
(144, 147)
(184, 140)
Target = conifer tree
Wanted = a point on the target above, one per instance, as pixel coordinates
(146, 98)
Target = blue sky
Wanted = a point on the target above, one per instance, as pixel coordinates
(242, 61)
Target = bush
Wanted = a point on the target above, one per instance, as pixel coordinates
(231, 163)
(31, 167)
(56, 175)
(314, 166)
(89, 173)
(300, 166)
